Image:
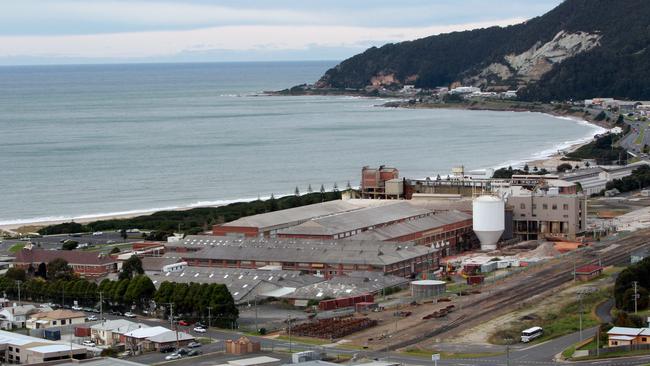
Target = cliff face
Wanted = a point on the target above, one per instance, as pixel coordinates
(582, 48)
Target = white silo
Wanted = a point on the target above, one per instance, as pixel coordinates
(488, 220)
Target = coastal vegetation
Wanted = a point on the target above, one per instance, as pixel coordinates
(624, 286)
(194, 220)
(602, 149)
(612, 58)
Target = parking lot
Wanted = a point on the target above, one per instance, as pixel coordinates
(54, 242)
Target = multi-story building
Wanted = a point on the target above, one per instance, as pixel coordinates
(381, 183)
(17, 348)
(55, 318)
(556, 210)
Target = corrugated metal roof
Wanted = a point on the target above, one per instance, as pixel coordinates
(360, 219)
(413, 226)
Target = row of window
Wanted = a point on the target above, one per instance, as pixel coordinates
(565, 206)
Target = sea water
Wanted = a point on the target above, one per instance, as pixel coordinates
(79, 141)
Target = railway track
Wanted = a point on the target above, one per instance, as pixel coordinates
(541, 281)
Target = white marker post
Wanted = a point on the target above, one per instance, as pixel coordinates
(435, 358)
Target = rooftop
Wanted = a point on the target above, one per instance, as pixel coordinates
(360, 219)
(401, 229)
(71, 256)
(170, 336)
(253, 361)
(59, 314)
(146, 332)
(297, 215)
(376, 253)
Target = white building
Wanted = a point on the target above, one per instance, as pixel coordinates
(16, 316)
(21, 349)
(108, 332)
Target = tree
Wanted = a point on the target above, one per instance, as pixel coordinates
(535, 169)
(564, 167)
(16, 274)
(641, 302)
(123, 234)
(309, 189)
(41, 271)
(348, 186)
(587, 164)
(335, 188)
(131, 267)
(296, 192)
(526, 168)
(576, 167)
(115, 250)
(70, 245)
(58, 269)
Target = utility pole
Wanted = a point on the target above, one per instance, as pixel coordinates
(257, 328)
(636, 296)
(18, 282)
(289, 334)
(580, 298)
(101, 307)
(171, 315)
(209, 321)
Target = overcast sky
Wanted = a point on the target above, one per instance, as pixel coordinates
(88, 31)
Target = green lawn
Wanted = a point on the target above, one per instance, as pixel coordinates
(16, 247)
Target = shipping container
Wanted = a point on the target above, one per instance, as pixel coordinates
(474, 280)
(82, 332)
(52, 335)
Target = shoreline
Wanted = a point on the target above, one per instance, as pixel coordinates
(549, 162)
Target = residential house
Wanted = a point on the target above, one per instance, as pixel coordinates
(55, 318)
(16, 316)
(623, 336)
(154, 338)
(109, 332)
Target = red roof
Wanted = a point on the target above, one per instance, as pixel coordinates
(71, 256)
(588, 269)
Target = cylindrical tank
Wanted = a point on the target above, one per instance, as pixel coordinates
(427, 288)
(488, 220)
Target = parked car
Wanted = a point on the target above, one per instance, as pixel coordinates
(173, 356)
(194, 344)
(126, 353)
(92, 318)
(199, 324)
(167, 349)
(115, 312)
(183, 351)
(194, 352)
(129, 314)
(183, 323)
(77, 308)
(89, 343)
(199, 330)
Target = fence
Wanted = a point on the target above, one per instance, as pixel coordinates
(634, 347)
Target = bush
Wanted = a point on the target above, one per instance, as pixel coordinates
(70, 245)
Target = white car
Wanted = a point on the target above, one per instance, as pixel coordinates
(200, 330)
(77, 308)
(129, 314)
(92, 318)
(89, 343)
(98, 233)
(173, 356)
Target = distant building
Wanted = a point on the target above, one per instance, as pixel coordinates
(108, 332)
(85, 264)
(465, 90)
(374, 183)
(242, 346)
(16, 316)
(154, 338)
(588, 272)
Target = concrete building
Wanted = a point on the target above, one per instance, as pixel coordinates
(55, 318)
(375, 183)
(85, 264)
(242, 346)
(21, 349)
(588, 272)
(352, 223)
(12, 317)
(555, 210)
(326, 258)
(594, 180)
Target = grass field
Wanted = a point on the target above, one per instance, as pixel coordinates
(16, 247)
(447, 355)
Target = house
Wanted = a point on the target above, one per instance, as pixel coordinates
(588, 272)
(623, 336)
(154, 338)
(16, 316)
(55, 318)
(109, 332)
(85, 264)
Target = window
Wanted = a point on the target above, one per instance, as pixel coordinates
(545, 206)
(565, 207)
(644, 339)
(62, 321)
(53, 322)
(555, 207)
(534, 206)
(522, 206)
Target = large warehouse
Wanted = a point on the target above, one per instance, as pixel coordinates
(267, 224)
(352, 223)
(325, 258)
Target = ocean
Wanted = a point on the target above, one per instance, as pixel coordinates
(94, 140)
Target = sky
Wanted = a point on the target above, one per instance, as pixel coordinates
(108, 31)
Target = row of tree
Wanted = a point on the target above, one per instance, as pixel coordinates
(639, 179)
(132, 290)
(195, 220)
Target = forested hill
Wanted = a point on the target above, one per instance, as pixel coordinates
(580, 49)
